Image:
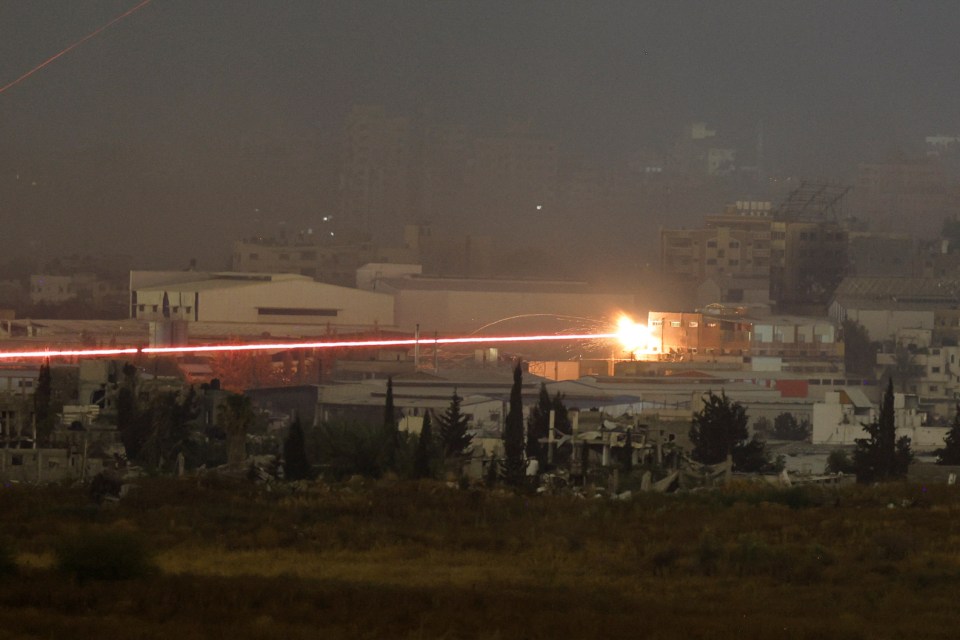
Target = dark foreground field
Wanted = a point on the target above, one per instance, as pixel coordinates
(398, 560)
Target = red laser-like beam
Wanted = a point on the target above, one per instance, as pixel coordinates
(344, 344)
(73, 46)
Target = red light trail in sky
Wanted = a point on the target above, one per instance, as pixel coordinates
(280, 346)
(73, 46)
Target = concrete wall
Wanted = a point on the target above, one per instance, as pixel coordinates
(354, 307)
(45, 465)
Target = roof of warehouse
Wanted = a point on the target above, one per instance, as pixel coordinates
(490, 285)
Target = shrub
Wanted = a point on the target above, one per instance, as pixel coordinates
(892, 544)
(104, 556)
(752, 555)
(8, 563)
(709, 553)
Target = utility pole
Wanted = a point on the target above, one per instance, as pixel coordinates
(416, 348)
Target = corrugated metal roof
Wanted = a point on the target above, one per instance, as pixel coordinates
(888, 288)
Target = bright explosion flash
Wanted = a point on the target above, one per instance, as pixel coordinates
(637, 338)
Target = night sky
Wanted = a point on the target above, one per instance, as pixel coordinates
(165, 134)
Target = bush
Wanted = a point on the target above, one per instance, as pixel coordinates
(104, 556)
(709, 553)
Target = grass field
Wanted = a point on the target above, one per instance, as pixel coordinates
(407, 560)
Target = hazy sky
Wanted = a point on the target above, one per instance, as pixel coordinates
(164, 134)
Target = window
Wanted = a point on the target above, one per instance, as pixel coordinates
(934, 388)
(656, 323)
(254, 256)
(733, 263)
(674, 323)
(734, 244)
(712, 244)
(293, 311)
(693, 324)
(934, 369)
(711, 261)
(16, 460)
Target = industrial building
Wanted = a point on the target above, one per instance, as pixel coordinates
(274, 302)
(462, 305)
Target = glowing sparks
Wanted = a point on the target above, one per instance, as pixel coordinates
(636, 338)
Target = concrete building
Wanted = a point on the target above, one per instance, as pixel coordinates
(839, 420)
(324, 259)
(50, 289)
(734, 245)
(776, 343)
(809, 258)
(886, 305)
(369, 274)
(802, 258)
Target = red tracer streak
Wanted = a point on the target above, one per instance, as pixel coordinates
(346, 344)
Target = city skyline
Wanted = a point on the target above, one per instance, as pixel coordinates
(181, 128)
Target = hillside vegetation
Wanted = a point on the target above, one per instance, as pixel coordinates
(208, 557)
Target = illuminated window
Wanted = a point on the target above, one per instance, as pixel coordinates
(674, 323)
(693, 324)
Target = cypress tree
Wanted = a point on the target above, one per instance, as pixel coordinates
(514, 467)
(454, 438)
(538, 425)
(391, 433)
(882, 456)
(296, 465)
(42, 404)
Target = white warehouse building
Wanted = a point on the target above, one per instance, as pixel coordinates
(268, 300)
(463, 305)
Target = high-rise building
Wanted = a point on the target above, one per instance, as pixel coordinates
(375, 176)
